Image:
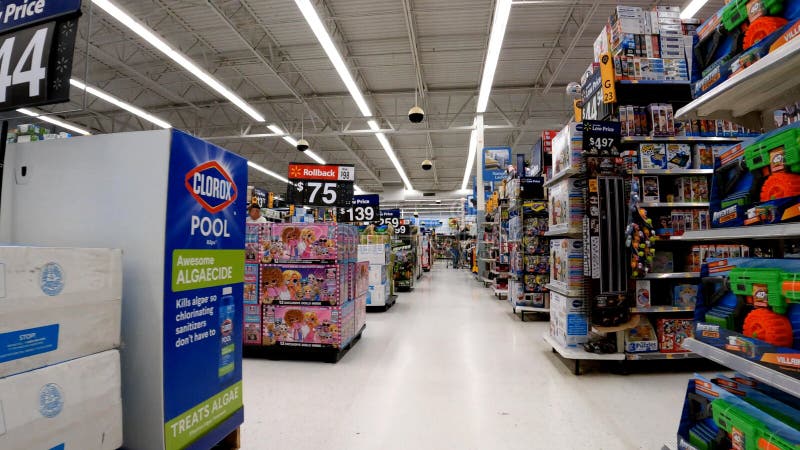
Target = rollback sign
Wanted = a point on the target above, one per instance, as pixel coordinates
(320, 185)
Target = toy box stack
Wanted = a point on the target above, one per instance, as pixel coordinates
(60, 315)
(566, 205)
(377, 255)
(751, 307)
(722, 51)
(566, 265)
(758, 181)
(303, 286)
(569, 320)
(568, 150)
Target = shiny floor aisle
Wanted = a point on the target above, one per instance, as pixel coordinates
(450, 367)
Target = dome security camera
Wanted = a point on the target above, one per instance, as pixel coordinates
(302, 145)
(427, 164)
(416, 214)
(438, 202)
(574, 90)
(416, 114)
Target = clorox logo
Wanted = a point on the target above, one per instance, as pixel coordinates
(211, 186)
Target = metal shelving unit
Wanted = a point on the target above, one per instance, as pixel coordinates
(658, 356)
(662, 309)
(777, 231)
(745, 366)
(701, 139)
(578, 354)
(561, 175)
(676, 172)
(674, 204)
(672, 275)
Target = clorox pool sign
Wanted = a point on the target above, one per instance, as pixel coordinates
(211, 186)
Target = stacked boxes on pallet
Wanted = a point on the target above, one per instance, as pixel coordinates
(303, 286)
(377, 255)
(60, 376)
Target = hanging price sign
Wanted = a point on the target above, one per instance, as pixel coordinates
(365, 208)
(320, 185)
(601, 138)
(390, 217)
(36, 51)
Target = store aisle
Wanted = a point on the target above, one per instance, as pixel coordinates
(450, 367)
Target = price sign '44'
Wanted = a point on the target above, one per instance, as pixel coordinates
(320, 185)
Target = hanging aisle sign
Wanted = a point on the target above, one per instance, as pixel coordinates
(36, 51)
(365, 208)
(321, 185)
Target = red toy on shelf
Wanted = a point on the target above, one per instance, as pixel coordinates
(768, 326)
(780, 185)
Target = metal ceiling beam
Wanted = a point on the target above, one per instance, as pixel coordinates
(575, 38)
(298, 96)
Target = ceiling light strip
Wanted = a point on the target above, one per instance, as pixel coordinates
(473, 144)
(54, 121)
(692, 8)
(149, 36)
(501, 12)
(119, 103)
(266, 171)
(319, 30)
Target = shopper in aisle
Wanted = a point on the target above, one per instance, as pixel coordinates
(455, 251)
(254, 214)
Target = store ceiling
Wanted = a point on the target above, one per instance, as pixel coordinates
(264, 51)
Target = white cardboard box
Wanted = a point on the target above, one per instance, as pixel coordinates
(569, 323)
(374, 253)
(57, 304)
(377, 274)
(72, 405)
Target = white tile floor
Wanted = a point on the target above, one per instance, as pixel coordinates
(450, 367)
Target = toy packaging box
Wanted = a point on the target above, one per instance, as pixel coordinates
(641, 338)
(57, 304)
(750, 309)
(643, 294)
(684, 295)
(377, 254)
(360, 278)
(378, 295)
(377, 274)
(566, 265)
(679, 156)
(252, 330)
(295, 242)
(251, 286)
(568, 149)
(305, 284)
(650, 192)
(566, 204)
(257, 243)
(731, 413)
(569, 323)
(75, 404)
(672, 332)
(360, 315)
(308, 326)
(652, 156)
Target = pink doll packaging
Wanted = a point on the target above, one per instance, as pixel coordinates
(302, 284)
(306, 242)
(251, 287)
(257, 243)
(312, 326)
(361, 278)
(252, 334)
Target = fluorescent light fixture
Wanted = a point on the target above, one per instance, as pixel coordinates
(154, 40)
(266, 171)
(54, 121)
(314, 156)
(373, 125)
(501, 12)
(387, 147)
(473, 144)
(119, 103)
(692, 8)
(325, 40)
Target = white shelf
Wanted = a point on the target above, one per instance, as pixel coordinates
(709, 139)
(745, 366)
(672, 172)
(768, 84)
(561, 175)
(579, 353)
(674, 204)
(563, 230)
(659, 355)
(500, 291)
(673, 275)
(778, 231)
(662, 309)
(564, 292)
(530, 309)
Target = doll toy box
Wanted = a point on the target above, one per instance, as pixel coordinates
(257, 243)
(309, 326)
(317, 242)
(303, 284)
(672, 332)
(57, 304)
(566, 265)
(567, 205)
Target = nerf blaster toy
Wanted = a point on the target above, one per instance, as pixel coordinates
(747, 432)
(764, 287)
